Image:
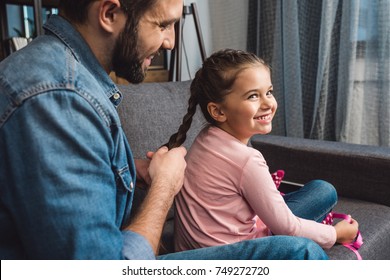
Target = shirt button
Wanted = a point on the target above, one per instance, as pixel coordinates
(117, 96)
(131, 186)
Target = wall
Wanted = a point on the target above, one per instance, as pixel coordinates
(223, 24)
(191, 56)
(229, 20)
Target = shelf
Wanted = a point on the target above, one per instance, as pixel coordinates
(37, 6)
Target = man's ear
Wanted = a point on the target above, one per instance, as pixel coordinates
(216, 112)
(109, 15)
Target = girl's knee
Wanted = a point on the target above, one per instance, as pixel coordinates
(307, 249)
(324, 189)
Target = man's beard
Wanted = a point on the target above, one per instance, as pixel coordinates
(126, 61)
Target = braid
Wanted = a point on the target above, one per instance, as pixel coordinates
(180, 136)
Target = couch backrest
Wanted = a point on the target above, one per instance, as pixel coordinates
(151, 112)
(357, 171)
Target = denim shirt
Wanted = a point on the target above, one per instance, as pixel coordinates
(67, 173)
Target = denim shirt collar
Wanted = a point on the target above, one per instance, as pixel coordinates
(66, 32)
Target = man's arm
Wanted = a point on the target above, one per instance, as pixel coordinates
(167, 174)
(61, 187)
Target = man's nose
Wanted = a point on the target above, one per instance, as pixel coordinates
(169, 40)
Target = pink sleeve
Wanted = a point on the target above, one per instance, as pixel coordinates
(259, 190)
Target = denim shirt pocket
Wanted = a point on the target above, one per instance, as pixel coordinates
(124, 179)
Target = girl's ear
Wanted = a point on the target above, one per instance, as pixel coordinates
(215, 112)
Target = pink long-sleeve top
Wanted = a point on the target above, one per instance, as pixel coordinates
(229, 196)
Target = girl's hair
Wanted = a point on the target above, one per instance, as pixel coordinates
(211, 84)
(77, 10)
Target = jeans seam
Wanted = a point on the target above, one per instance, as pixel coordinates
(327, 212)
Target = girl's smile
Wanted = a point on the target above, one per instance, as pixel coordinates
(250, 106)
(264, 119)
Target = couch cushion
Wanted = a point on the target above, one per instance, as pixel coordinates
(151, 112)
(374, 225)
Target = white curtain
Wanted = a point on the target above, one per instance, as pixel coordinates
(367, 107)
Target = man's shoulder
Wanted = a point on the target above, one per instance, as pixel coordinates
(46, 64)
(42, 61)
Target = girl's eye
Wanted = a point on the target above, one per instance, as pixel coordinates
(270, 92)
(253, 96)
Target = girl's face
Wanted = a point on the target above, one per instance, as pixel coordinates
(250, 106)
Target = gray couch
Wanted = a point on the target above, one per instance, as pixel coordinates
(151, 112)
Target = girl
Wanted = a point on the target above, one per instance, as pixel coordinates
(228, 193)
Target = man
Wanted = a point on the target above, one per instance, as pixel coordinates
(67, 172)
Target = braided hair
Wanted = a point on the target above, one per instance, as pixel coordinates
(211, 84)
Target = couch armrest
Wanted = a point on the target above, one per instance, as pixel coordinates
(357, 171)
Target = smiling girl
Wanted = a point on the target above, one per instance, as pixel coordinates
(228, 193)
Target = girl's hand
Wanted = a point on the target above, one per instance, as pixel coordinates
(346, 231)
(142, 167)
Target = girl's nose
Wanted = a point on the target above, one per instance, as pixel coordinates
(265, 103)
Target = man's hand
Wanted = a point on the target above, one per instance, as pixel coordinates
(167, 168)
(166, 171)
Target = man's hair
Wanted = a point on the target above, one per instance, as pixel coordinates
(77, 10)
(74, 10)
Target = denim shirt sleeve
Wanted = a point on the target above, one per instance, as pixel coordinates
(136, 247)
(61, 187)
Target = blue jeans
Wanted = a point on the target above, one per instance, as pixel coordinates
(267, 248)
(312, 201)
